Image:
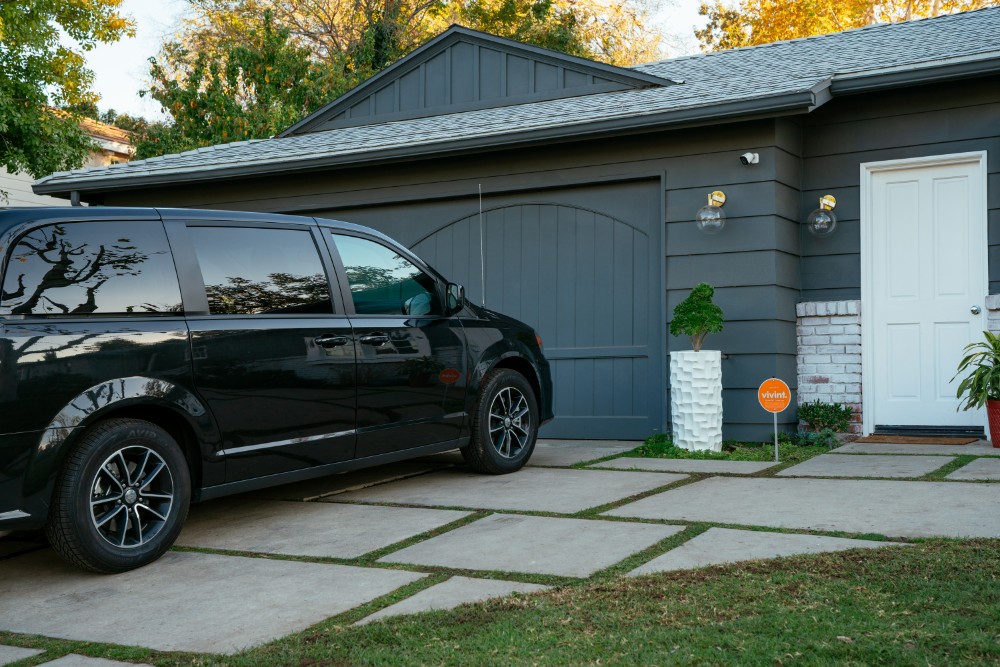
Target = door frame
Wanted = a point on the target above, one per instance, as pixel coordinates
(868, 170)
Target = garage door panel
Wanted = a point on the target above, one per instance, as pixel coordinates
(584, 279)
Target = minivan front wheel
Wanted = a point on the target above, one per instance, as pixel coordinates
(121, 498)
(505, 424)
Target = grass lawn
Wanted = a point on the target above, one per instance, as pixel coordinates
(932, 604)
(661, 446)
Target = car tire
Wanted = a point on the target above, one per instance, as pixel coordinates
(504, 426)
(121, 498)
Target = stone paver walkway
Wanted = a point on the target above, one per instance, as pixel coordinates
(74, 660)
(725, 545)
(219, 603)
(873, 465)
(977, 469)
(531, 489)
(452, 593)
(9, 654)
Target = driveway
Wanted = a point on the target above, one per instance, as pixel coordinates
(428, 534)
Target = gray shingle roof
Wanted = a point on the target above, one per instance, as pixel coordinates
(792, 74)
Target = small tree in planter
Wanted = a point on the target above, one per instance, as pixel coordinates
(696, 375)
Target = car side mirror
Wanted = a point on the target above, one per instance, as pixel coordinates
(455, 295)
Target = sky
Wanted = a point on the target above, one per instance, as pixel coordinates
(121, 69)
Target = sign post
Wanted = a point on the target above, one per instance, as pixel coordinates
(774, 396)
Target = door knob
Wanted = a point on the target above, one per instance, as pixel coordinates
(375, 339)
(976, 310)
(328, 341)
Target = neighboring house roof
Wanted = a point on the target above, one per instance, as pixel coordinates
(795, 76)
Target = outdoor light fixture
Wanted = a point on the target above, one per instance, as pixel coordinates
(822, 221)
(711, 218)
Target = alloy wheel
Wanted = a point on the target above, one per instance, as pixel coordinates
(131, 496)
(510, 422)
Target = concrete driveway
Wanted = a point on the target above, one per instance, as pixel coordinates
(428, 534)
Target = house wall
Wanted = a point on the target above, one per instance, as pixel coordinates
(18, 189)
(753, 263)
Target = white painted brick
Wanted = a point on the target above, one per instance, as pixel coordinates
(831, 349)
(845, 339)
(846, 358)
(807, 369)
(854, 307)
(816, 359)
(852, 368)
(851, 378)
(852, 329)
(993, 302)
(852, 349)
(829, 369)
(828, 329)
(853, 389)
(817, 321)
(844, 319)
(805, 308)
(815, 340)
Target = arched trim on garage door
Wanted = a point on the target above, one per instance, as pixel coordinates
(589, 283)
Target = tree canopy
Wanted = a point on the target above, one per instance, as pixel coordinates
(243, 69)
(39, 72)
(753, 22)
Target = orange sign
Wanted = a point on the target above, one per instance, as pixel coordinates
(774, 395)
(449, 376)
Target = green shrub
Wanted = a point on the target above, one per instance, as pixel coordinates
(826, 416)
(696, 316)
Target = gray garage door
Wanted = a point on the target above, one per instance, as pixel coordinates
(583, 268)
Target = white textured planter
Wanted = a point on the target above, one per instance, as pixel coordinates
(696, 399)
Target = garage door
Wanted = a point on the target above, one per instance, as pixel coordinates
(583, 268)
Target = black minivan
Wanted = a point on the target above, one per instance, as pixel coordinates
(151, 357)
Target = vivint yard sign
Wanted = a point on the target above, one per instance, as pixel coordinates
(774, 396)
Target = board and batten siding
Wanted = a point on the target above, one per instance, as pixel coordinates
(956, 117)
(753, 263)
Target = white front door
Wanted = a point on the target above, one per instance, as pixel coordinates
(924, 284)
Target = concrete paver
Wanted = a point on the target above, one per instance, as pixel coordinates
(312, 489)
(184, 601)
(564, 453)
(530, 489)
(872, 465)
(9, 654)
(977, 469)
(306, 529)
(535, 545)
(452, 593)
(886, 507)
(75, 660)
(725, 545)
(981, 448)
(686, 465)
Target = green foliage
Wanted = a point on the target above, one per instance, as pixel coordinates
(38, 72)
(982, 361)
(826, 416)
(696, 316)
(790, 448)
(250, 88)
(537, 22)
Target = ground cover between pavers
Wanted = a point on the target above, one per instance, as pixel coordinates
(184, 601)
(981, 469)
(872, 465)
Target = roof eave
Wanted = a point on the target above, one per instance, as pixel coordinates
(790, 103)
(964, 68)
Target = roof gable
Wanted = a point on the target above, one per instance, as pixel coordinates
(462, 70)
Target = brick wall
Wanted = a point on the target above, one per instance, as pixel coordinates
(829, 354)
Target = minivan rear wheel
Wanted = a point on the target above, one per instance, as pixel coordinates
(505, 424)
(121, 498)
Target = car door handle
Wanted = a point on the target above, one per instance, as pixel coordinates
(375, 340)
(329, 340)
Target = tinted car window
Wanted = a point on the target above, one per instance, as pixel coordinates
(384, 283)
(92, 268)
(249, 270)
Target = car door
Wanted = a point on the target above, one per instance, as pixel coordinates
(272, 351)
(412, 366)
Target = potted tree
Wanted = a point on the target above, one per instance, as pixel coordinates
(982, 385)
(696, 374)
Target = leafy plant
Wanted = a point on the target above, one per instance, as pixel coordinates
(983, 381)
(826, 416)
(696, 316)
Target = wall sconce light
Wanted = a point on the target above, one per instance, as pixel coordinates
(822, 221)
(711, 218)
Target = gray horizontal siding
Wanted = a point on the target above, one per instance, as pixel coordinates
(837, 139)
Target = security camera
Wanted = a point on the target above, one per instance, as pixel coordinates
(749, 158)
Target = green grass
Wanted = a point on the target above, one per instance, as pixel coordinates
(661, 446)
(933, 603)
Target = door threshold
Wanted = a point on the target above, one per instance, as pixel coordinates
(931, 431)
